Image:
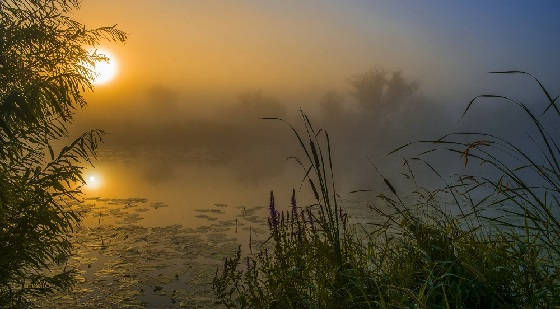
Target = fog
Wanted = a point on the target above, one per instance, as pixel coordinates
(161, 146)
(184, 115)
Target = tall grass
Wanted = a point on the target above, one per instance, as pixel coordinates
(482, 240)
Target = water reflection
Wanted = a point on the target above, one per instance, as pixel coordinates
(157, 244)
(193, 185)
(123, 263)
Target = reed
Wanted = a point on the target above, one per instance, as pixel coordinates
(482, 240)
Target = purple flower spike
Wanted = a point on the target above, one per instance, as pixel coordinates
(273, 213)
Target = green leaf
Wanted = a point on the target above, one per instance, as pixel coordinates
(51, 151)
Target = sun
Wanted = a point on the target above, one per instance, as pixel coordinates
(93, 181)
(104, 71)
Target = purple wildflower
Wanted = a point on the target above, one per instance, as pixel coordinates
(273, 219)
(310, 215)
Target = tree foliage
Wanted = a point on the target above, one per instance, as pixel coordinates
(379, 91)
(45, 67)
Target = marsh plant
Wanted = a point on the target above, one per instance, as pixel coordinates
(488, 238)
(45, 67)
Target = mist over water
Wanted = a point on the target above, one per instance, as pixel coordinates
(194, 152)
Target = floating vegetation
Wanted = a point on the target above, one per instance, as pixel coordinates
(206, 217)
(157, 205)
(132, 218)
(141, 209)
(216, 211)
(248, 211)
(121, 263)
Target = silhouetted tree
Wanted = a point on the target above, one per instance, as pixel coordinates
(44, 70)
(398, 88)
(377, 92)
(368, 88)
(331, 105)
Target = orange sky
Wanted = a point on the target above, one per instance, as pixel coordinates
(234, 45)
(295, 47)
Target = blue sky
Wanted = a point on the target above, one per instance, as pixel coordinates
(492, 34)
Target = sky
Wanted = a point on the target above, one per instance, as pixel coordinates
(195, 77)
(300, 46)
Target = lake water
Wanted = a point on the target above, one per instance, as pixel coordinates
(158, 222)
(157, 244)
